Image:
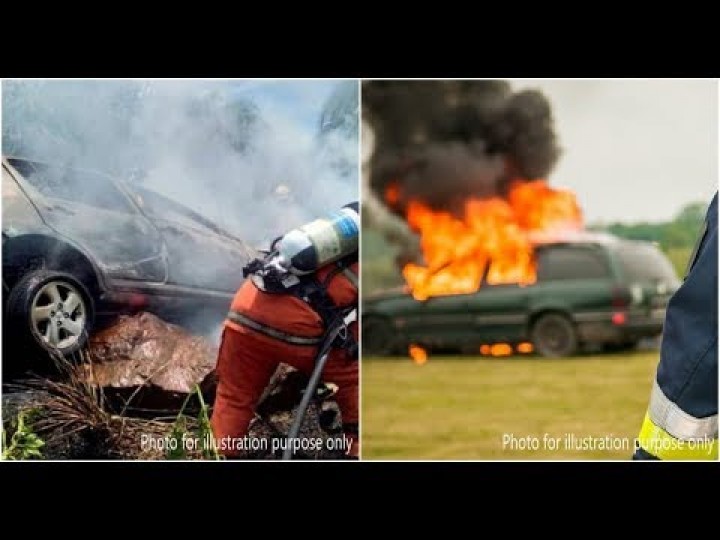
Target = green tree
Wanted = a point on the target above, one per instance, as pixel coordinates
(676, 237)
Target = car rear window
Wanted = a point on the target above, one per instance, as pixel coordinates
(642, 261)
(73, 185)
(570, 262)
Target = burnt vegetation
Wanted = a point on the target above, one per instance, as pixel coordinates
(140, 385)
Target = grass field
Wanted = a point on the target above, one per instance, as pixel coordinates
(467, 408)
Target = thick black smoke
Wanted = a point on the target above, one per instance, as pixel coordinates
(443, 141)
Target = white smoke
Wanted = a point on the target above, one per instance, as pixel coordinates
(253, 170)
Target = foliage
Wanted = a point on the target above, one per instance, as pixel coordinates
(24, 442)
(379, 270)
(77, 421)
(681, 232)
(679, 257)
(676, 237)
(204, 430)
(177, 447)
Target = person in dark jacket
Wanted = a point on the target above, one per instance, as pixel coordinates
(682, 418)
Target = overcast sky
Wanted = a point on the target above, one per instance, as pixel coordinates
(635, 150)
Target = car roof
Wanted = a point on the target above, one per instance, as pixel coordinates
(133, 189)
(6, 160)
(541, 239)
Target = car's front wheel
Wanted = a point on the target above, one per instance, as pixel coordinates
(553, 335)
(52, 311)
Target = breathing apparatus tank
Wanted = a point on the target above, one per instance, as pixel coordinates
(311, 246)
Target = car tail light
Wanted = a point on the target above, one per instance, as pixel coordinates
(137, 300)
(621, 297)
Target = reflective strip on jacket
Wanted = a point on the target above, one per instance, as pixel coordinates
(681, 421)
(292, 320)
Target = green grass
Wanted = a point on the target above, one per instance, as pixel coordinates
(679, 257)
(460, 407)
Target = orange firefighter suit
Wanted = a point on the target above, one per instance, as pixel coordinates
(264, 329)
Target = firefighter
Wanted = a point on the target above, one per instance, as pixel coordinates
(280, 314)
(681, 421)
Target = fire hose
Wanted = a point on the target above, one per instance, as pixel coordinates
(320, 360)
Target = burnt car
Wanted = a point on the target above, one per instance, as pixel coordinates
(594, 290)
(78, 245)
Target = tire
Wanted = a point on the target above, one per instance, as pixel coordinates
(553, 335)
(51, 311)
(378, 336)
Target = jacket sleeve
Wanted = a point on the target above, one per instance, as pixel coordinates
(681, 420)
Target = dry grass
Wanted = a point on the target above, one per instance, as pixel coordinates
(72, 409)
(461, 407)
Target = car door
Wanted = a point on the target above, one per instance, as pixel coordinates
(570, 278)
(200, 255)
(498, 313)
(494, 313)
(439, 320)
(90, 211)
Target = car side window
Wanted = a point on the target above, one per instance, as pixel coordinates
(85, 187)
(160, 207)
(559, 263)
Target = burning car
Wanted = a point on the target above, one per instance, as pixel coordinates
(78, 244)
(593, 289)
(495, 259)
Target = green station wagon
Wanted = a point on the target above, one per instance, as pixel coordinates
(594, 290)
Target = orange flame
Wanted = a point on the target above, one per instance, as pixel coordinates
(418, 354)
(505, 349)
(501, 349)
(525, 348)
(492, 239)
(392, 194)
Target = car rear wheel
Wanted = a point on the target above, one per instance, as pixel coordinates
(52, 311)
(378, 336)
(553, 335)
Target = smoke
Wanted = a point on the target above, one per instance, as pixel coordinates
(212, 146)
(256, 158)
(377, 215)
(444, 141)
